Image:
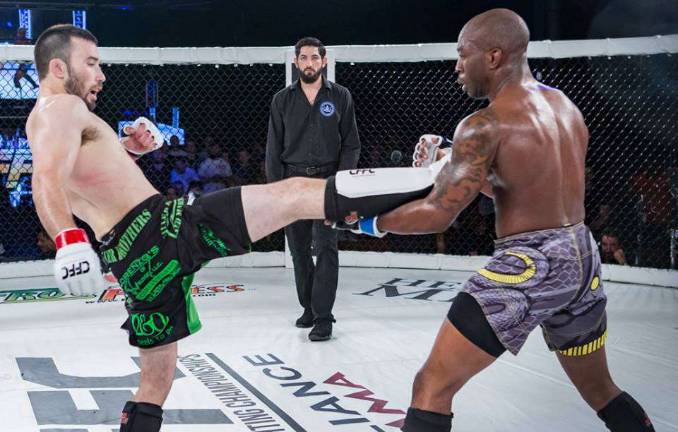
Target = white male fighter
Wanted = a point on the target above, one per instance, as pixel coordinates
(154, 245)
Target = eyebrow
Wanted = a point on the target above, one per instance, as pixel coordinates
(93, 58)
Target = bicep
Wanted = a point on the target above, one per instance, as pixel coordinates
(463, 177)
(55, 144)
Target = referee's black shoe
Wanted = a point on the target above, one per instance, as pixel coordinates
(322, 331)
(305, 320)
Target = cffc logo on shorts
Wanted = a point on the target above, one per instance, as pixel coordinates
(75, 269)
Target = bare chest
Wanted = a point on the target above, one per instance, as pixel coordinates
(101, 158)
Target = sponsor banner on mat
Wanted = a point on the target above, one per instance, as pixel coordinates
(111, 294)
(259, 392)
(415, 289)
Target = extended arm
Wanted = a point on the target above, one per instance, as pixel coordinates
(55, 145)
(55, 137)
(457, 184)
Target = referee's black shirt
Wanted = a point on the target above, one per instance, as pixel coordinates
(305, 135)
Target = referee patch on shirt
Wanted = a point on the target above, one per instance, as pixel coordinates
(327, 109)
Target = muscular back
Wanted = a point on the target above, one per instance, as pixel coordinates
(537, 176)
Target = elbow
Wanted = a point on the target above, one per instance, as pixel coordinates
(440, 226)
(435, 221)
(43, 178)
(438, 219)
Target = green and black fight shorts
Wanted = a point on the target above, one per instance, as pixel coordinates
(155, 250)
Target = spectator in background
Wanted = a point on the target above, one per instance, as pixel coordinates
(202, 150)
(215, 171)
(22, 71)
(602, 218)
(46, 245)
(244, 171)
(375, 157)
(208, 142)
(156, 168)
(176, 150)
(260, 176)
(183, 174)
(610, 250)
(194, 189)
(172, 193)
(7, 138)
(192, 156)
(653, 195)
(258, 153)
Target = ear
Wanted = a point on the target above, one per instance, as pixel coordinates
(57, 67)
(494, 58)
(324, 61)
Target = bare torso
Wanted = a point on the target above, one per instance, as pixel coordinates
(537, 176)
(105, 183)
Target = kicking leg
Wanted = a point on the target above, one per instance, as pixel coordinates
(273, 206)
(357, 193)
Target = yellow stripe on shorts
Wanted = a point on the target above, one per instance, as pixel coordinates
(589, 348)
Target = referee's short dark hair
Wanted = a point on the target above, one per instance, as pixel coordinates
(309, 41)
(55, 42)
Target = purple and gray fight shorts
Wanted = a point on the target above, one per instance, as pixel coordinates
(549, 278)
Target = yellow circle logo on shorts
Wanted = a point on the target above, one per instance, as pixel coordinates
(595, 283)
(512, 279)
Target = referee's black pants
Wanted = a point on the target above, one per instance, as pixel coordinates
(316, 283)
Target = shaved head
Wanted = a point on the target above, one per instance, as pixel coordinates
(497, 28)
(491, 46)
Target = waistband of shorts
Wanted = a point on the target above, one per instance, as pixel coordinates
(543, 232)
(148, 203)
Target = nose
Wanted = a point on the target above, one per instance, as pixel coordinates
(457, 66)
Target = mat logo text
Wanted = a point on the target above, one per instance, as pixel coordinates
(416, 289)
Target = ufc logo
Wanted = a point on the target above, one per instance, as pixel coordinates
(75, 269)
(361, 172)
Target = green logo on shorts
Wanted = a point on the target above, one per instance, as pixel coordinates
(170, 221)
(212, 240)
(152, 328)
(150, 278)
(120, 251)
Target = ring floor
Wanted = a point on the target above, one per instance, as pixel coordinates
(66, 366)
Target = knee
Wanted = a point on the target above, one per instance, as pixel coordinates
(433, 384)
(293, 185)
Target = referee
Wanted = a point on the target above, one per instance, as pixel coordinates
(312, 132)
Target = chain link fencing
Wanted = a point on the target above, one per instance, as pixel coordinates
(218, 115)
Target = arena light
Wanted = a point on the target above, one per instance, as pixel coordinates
(80, 18)
(25, 22)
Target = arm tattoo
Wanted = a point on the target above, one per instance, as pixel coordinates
(461, 179)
